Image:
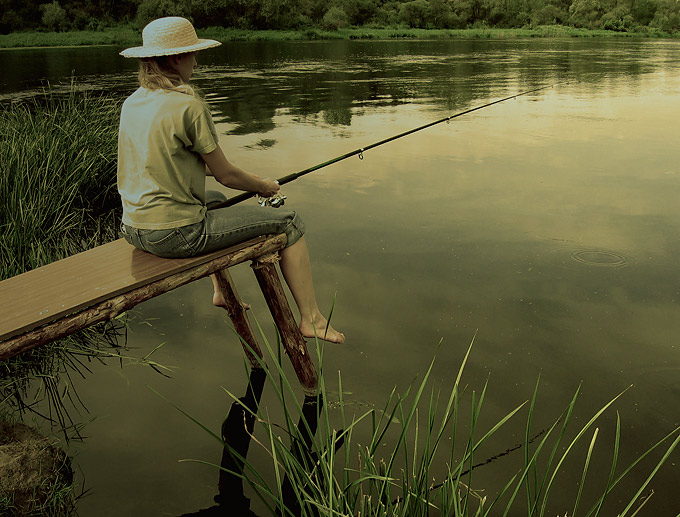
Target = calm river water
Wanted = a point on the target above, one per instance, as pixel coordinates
(547, 226)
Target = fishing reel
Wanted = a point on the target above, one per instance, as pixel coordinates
(276, 201)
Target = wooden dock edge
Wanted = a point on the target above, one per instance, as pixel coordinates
(112, 307)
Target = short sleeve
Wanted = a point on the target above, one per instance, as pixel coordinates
(201, 130)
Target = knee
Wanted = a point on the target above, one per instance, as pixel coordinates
(295, 229)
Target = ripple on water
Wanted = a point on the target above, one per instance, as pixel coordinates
(601, 258)
(573, 258)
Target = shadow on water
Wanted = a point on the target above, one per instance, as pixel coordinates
(237, 432)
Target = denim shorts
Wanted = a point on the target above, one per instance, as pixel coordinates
(221, 228)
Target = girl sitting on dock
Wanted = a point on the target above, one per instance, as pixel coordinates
(167, 145)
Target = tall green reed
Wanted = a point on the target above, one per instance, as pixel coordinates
(58, 190)
(318, 469)
(57, 177)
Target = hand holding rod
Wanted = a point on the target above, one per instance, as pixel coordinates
(290, 177)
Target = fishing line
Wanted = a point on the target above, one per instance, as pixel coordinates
(279, 199)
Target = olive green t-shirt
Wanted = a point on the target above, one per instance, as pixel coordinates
(161, 175)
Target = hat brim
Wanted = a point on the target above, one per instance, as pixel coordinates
(140, 52)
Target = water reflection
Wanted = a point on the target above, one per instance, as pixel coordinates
(237, 429)
(249, 84)
(237, 433)
(549, 225)
(340, 79)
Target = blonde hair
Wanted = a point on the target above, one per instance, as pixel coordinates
(156, 74)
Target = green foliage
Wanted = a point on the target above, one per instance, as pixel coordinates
(667, 16)
(151, 9)
(360, 12)
(442, 16)
(273, 14)
(334, 19)
(643, 11)
(429, 14)
(586, 13)
(207, 13)
(10, 21)
(415, 13)
(57, 177)
(619, 19)
(53, 16)
(58, 191)
(549, 15)
(632, 15)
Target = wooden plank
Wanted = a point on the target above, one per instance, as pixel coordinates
(113, 306)
(57, 290)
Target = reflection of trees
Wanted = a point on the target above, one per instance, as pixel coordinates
(248, 107)
(26, 69)
(334, 79)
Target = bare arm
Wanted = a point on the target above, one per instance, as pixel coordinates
(233, 177)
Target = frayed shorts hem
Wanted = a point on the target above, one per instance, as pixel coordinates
(221, 228)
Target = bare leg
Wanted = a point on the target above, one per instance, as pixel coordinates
(218, 299)
(297, 271)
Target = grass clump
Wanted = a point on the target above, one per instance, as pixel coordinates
(36, 476)
(57, 178)
(420, 458)
(58, 191)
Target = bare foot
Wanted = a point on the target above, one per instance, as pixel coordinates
(218, 301)
(321, 329)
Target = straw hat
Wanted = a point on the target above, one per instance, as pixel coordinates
(168, 37)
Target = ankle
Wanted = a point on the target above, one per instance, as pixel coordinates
(316, 318)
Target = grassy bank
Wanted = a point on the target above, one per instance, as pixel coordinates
(109, 36)
(127, 36)
(547, 31)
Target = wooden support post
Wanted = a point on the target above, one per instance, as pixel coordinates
(238, 316)
(293, 340)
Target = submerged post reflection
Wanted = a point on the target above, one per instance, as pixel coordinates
(237, 431)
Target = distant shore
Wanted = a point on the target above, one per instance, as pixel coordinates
(127, 35)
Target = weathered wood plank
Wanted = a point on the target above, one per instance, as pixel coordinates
(102, 282)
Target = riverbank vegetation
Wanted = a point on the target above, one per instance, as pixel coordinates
(58, 155)
(127, 36)
(57, 185)
(39, 22)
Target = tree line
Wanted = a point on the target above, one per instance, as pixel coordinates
(615, 15)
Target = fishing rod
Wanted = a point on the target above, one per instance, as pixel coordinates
(278, 200)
